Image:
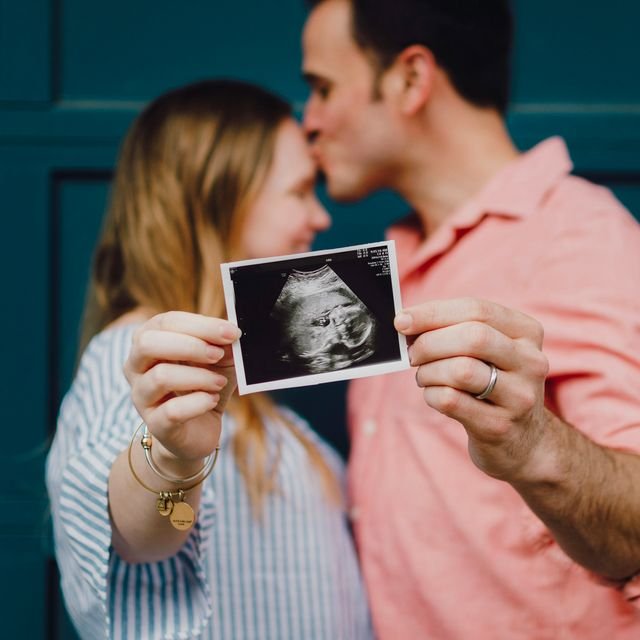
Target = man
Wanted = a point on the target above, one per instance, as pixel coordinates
(499, 498)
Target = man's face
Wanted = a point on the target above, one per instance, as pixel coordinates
(351, 131)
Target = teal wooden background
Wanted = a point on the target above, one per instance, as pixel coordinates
(72, 76)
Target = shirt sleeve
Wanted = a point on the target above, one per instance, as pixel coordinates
(587, 298)
(107, 597)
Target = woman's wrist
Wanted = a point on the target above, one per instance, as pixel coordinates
(172, 465)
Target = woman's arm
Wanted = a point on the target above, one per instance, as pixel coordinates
(181, 374)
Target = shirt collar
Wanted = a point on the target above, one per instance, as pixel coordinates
(516, 191)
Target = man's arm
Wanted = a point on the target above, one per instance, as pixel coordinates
(588, 495)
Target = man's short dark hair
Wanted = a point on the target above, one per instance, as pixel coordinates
(470, 39)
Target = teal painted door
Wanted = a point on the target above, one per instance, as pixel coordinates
(72, 76)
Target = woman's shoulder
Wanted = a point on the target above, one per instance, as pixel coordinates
(103, 358)
(110, 348)
(112, 342)
(99, 385)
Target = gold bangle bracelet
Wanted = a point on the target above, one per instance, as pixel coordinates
(147, 441)
(171, 503)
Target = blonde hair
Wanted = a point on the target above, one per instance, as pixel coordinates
(188, 170)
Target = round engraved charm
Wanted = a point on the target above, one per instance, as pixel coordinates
(182, 516)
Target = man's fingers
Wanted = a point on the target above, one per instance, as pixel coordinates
(470, 339)
(483, 421)
(465, 374)
(472, 376)
(436, 314)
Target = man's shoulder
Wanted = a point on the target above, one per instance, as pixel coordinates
(589, 233)
(581, 210)
(577, 196)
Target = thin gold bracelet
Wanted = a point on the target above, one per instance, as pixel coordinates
(147, 441)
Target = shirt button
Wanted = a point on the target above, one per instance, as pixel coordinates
(369, 427)
(354, 513)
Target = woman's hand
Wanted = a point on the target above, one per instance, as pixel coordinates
(181, 373)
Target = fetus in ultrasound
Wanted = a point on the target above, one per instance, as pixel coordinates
(324, 326)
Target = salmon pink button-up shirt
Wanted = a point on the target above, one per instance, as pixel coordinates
(448, 552)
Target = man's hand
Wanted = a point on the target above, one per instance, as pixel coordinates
(451, 343)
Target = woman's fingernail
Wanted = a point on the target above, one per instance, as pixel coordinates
(403, 321)
(214, 353)
(229, 332)
(221, 383)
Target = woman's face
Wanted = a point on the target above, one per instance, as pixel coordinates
(285, 215)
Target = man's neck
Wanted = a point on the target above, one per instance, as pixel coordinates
(452, 159)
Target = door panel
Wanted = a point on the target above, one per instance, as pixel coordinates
(79, 200)
(160, 45)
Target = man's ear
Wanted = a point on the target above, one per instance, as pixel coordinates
(414, 71)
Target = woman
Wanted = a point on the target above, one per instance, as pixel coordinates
(210, 172)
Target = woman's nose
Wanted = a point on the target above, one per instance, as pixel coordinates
(320, 218)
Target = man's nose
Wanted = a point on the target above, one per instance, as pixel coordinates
(310, 121)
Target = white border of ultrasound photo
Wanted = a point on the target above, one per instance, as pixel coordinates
(315, 378)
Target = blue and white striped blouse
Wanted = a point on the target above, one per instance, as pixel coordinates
(291, 575)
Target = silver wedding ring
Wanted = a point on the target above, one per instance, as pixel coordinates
(492, 383)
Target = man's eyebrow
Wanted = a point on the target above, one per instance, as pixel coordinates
(312, 78)
(307, 181)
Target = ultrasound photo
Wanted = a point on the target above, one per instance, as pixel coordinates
(315, 317)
